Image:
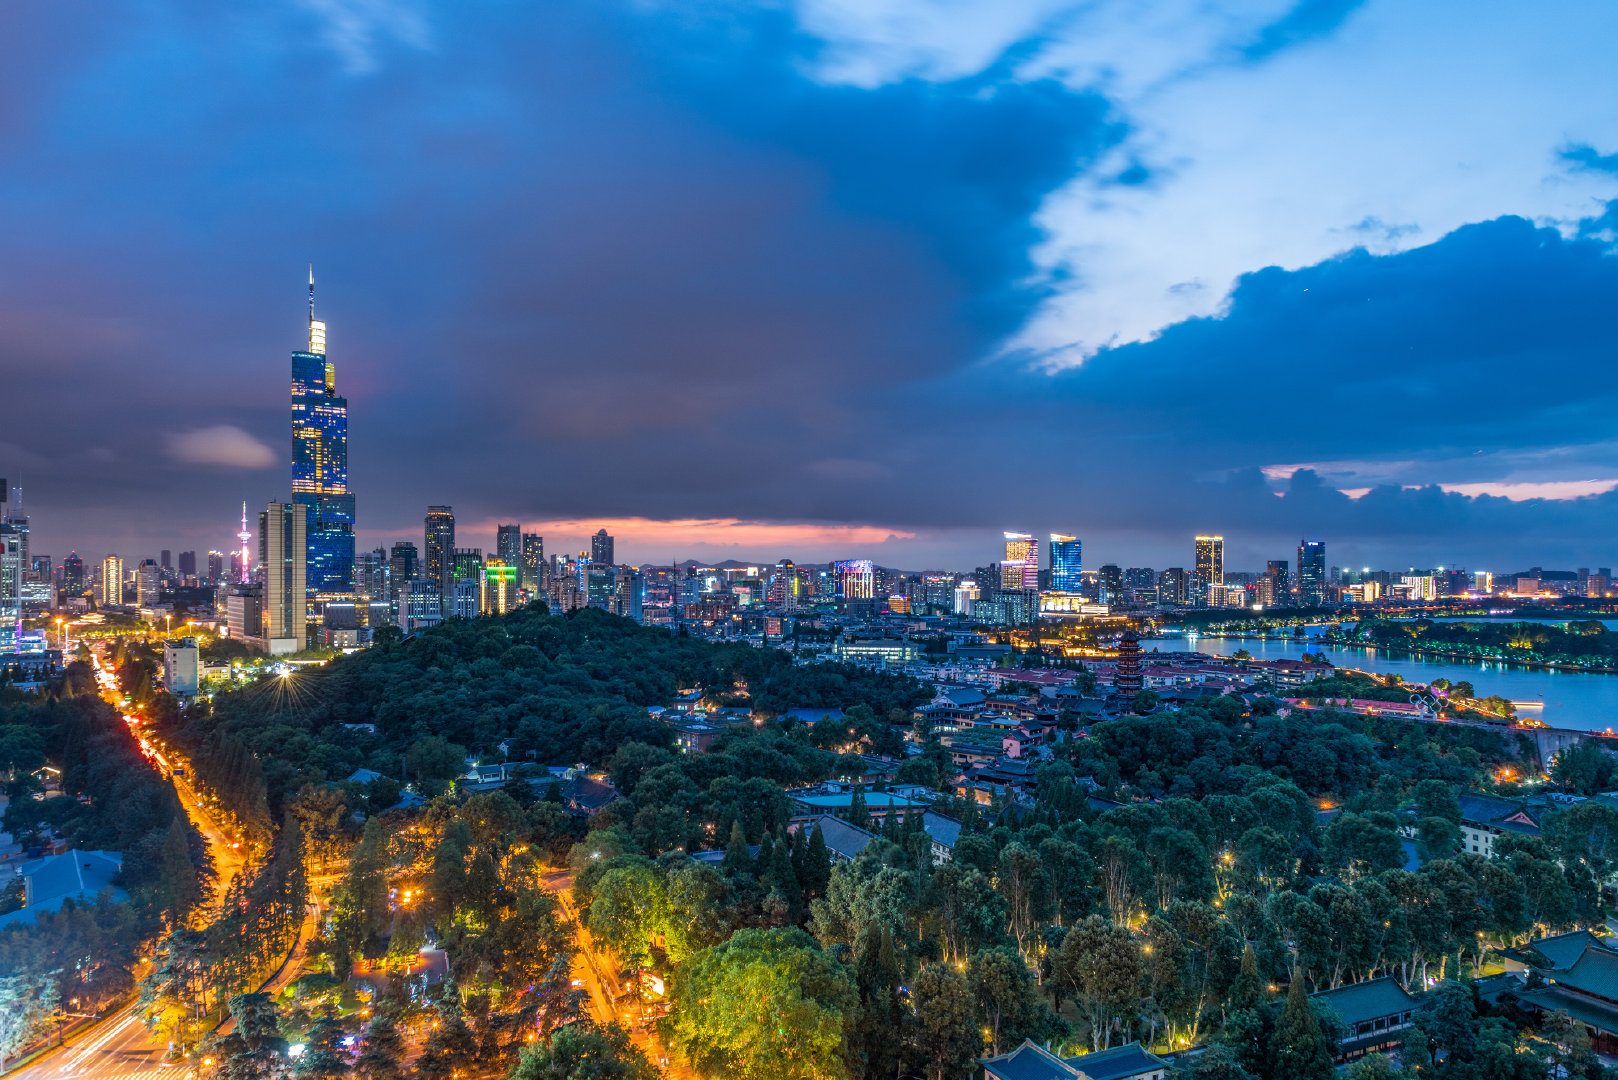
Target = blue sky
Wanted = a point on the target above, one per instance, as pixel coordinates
(826, 278)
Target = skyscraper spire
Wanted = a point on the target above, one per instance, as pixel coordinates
(317, 329)
(311, 292)
(244, 536)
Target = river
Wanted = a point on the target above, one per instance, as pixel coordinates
(1584, 701)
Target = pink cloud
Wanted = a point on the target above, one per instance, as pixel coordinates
(1518, 491)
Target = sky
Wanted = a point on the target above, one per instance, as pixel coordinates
(824, 278)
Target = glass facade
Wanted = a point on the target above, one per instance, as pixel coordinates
(1067, 563)
(320, 473)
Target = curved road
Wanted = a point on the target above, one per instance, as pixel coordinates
(120, 1047)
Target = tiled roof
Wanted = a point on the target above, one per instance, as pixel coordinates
(1594, 972)
(842, 838)
(1120, 1063)
(1028, 1062)
(1362, 1001)
(76, 875)
(943, 830)
(1557, 952)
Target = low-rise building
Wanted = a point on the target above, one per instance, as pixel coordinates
(1374, 1013)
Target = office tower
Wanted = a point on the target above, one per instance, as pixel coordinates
(533, 562)
(188, 564)
(1172, 586)
(1067, 563)
(466, 564)
(1210, 565)
(1312, 572)
(283, 550)
(1110, 579)
(112, 582)
(465, 598)
(500, 581)
(628, 594)
(371, 574)
(421, 605)
(216, 566)
(855, 578)
(11, 583)
(599, 582)
(438, 553)
(148, 582)
(403, 565)
(181, 665)
(601, 549)
(73, 575)
(244, 612)
(508, 544)
(1020, 568)
(1280, 580)
(320, 464)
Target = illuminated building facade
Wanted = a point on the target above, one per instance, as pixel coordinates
(1210, 564)
(283, 551)
(508, 544)
(601, 549)
(73, 575)
(856, 578)
(1020, 568)
(438, 552)
(1067, 563)
(533, 562)
(320, 464)
(1312, 572)
(1173, 587)
(500, 583)
(112, 582)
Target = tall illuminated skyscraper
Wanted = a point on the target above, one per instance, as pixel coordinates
(1020, 568)
(112, 581)
(1210, 565)
(533, 561)
(508, 544)
(283, 547)
(1312, 572)
(438, 552)
(320, 464)
(1067, 563)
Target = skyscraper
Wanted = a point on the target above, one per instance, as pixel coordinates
(1210, 565)
(1171, 586)
(371, 574)
(438, 552)
(283, 547)
(320, 464)
(1312, 572)
(188, 564)
(601, 549)
(165, 559)
(112, 582)
(1280, 581)
(1111, 582)
(1020, 568)
(508, 544)
(856, 578)
(148, 582)
(216, 566)
(533, 562)
(1067, 563)
(466, 564)
(404, 564)
(73, 575)
(499, 594)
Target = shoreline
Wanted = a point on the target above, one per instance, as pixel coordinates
(1417, 653)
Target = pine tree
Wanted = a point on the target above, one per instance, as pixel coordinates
(816, 865)
(383, 1055)
(857, 814)
(738, 861)
(179, 883)
(1299, 1050)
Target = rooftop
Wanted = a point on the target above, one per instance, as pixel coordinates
(1368, 1000)
(1120, 1063)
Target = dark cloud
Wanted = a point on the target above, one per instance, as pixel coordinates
(589, 261)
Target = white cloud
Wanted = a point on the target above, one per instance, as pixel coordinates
(357, 29)
(224, 444)
(1405, 123)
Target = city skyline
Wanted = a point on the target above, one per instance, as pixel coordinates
(1042, 247)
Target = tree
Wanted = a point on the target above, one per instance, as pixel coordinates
(764, 1003)
(1300, 1050)
(382, 1057)
(947, 1035)
(256, 1049)
(323, 1057)
(1214, 1063)
(1102, 966)
(22, 1014)
(584, 1051)
(874, 1037)
(179, 884)
(450, 1044)
(1437, 838)
(1008, 1000)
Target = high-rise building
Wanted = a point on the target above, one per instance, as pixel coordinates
(73, 575)
(320, 464)
(533, 562)
(112, 582)
(465, 598)
(12, 546)
(1067, 563)
(148, 583)
(421, 604)
(244, 612)
(438, 552)
(500, 582)
(181, 665)
(1312, 572)
(466, 564)
(1280, 587)
(371, 574)
(188, 564)
(856, 579)
(601, 549)
(404, 564)
(165, 559)
(1111, 582)
(216, 566)
(1020, 568)
(1172, 587)
(508, 544)
(1210, 565)
(283, 551)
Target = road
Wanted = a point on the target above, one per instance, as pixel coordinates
(595, 970)
(120, 1047)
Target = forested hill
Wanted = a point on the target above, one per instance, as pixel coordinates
(563, 688)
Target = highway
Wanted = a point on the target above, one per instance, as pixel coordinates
(120, 1047)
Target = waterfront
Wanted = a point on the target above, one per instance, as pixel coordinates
(1580, 700)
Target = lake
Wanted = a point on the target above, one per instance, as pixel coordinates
(1580, 700)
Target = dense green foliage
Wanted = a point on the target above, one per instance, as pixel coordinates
(1587, 642)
